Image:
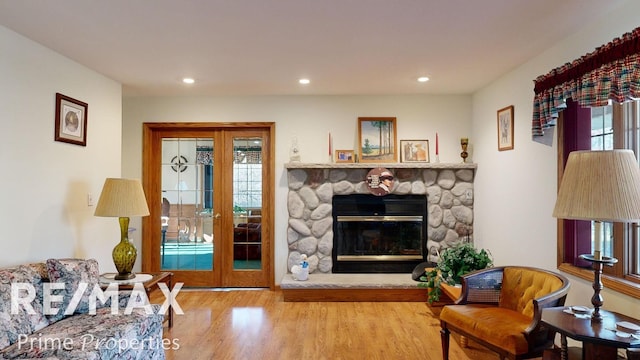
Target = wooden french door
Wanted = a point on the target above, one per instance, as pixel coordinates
(209, 190)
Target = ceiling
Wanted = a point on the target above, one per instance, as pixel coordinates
(262, 47)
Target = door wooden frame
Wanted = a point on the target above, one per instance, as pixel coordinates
(151, 229)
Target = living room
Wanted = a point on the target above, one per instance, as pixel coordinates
(47, 182)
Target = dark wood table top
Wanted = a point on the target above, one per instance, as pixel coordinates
(585, 330)
(148, 285)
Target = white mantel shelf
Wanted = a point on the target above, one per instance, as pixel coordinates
(455, 166)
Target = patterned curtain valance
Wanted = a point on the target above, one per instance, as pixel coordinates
(612, 71)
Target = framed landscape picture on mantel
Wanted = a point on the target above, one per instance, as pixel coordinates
(377, 139)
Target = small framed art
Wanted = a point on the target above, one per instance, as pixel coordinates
(71, 120)
(377, 139)
(414, 150)
(505, 128)
(345, 156)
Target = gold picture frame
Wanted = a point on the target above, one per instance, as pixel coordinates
(345, 156)
(377, 139)
(71, 120)
(505, 128)
(414, 151)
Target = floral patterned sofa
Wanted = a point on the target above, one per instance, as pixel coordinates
(36, 333)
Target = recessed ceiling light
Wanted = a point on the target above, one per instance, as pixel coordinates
(304, 81)
(423, 79)
(188, 80)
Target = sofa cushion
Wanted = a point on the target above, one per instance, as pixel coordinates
(23, 322)
(72, 272)
(41, 269)
(521, 285)
(501, 327)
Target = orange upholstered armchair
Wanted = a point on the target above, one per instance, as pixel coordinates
(501, 308)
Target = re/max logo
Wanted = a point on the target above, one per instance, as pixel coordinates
(23, 295)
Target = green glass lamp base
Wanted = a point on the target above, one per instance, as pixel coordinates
(128, 276)
(125, 253)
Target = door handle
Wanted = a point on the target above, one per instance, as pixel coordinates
(217, 216)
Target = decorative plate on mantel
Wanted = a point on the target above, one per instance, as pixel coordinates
(380, 181)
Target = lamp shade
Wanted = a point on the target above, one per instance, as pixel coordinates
(600, 186)
(122, 198)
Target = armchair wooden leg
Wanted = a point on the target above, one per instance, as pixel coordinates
(444, 338)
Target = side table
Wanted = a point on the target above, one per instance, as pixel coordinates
(599, 339)
(149, 281)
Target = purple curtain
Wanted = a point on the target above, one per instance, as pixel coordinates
(612, 71)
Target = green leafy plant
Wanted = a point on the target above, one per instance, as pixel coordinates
(454, 262)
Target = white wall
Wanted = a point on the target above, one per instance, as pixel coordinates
(516, 190)
(309, 118)
(44, 183)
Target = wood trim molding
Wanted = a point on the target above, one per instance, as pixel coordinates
(625, 287)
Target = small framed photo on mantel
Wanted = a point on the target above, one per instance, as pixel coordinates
(71, 120)
(414, 151)
(345, 156)
(505, 128)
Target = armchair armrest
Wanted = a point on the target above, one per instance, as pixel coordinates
(481, 287)
(552, 299)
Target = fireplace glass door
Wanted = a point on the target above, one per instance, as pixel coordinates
(378, 234)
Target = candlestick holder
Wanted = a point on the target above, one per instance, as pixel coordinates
(596, 299)
(464, 142)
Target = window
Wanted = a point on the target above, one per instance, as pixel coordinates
(602, 139)
(603, 128)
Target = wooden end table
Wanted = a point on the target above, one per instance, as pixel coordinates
(599, 341)
(149, 285)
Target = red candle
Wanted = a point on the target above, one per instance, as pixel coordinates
(330, 152)
(436, 143)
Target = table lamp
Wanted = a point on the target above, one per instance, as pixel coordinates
(123, 198)
(599, 186)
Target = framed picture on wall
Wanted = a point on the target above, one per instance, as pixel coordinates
(377, 139)
(71, 120)
(505, 128)
(414, 150)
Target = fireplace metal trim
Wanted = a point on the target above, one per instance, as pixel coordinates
(378, 257)
(347, 218)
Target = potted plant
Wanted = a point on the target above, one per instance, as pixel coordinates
(454, 262)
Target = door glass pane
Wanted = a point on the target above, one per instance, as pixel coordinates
(247, 203)
(187, 203)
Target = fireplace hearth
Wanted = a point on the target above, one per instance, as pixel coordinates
(378, 234)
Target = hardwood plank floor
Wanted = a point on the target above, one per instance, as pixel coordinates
(258, 324)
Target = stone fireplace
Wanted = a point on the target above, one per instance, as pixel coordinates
(448, 189)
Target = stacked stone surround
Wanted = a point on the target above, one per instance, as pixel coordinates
(448, 188)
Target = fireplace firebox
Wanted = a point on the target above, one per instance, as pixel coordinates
(379, 234)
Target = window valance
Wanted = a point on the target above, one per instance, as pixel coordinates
(612, 71)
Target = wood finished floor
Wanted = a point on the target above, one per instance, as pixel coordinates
(258, 324)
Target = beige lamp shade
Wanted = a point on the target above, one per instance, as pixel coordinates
(600, 186)
(122, 198)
